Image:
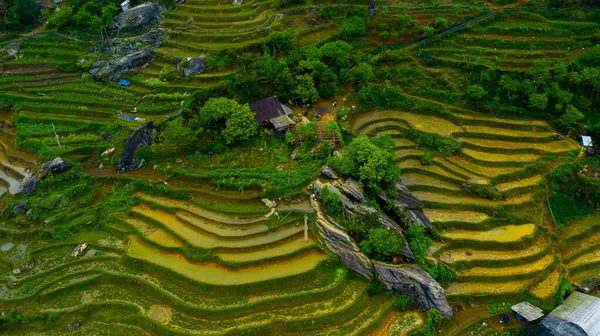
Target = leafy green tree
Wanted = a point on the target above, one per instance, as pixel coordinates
(354, 26)
(367, 162)
(235, 121)
(23, 13)
(281, 40)
(305, 89)
(418, 242)
(289, 138)
(475, 93)
(381, 244)
(363, 73)
(538, 101)
(428, 31)
(336, 54)
(571, 117)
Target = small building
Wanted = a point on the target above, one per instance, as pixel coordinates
(526, 312)
(270, 112)
(578, 315)
(125, 5)
(586, 141)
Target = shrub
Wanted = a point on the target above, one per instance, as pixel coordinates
(332, 202)
(401, 303)
(433, 320)
(418, 242)
(428, 31)
(380, 244)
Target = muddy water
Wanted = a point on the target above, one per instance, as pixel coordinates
(536, 266)
(213, 216)
(13, 166)
(487, 288)
(279, 250)
(457, 255)
(418, 179)
(447, 199)
(443, 215)
(421, 122)
(214, 275)
(203, 240)
(526, 182)
(503, 234)
(222, 230)
(487, 171)
(552, 146)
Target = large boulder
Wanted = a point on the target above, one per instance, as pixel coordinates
(191, 66)
(363, 209)
(336, 238)
(137, 19)
(55, 167)
(416, 284)
(405, 208)
(327, 171)
(117, 68)
(142, 136)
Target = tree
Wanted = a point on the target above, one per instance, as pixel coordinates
(571, 117)
(363, 73)
(305, 89)
(418, 242)
(428, 31)
(475, 93)
(336, 54)
(404, 21)
(281, 40)
(176, 136)
(354, 26)
(289, 138)
(24, 13)
(367, 162)
(308, 132)
(381, 244)
(538, 101)
(235, 121)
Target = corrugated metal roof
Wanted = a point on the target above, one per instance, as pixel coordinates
(282, 122)
(579, 312)
(586, 141)
(528, 311)
(267, 109)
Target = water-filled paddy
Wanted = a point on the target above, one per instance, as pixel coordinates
(215, 275)
(503, 234)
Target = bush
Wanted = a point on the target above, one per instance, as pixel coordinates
(332, 201)
(381, 245)
(418, 242)
(428, 31)
(433, 320)
(442, 274)
(401, 303)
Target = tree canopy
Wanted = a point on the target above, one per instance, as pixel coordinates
(234, 121)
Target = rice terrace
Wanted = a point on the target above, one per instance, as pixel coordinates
(300, 167)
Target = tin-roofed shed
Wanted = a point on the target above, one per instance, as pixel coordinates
(578, 315)
(528, 311)
(586, 141)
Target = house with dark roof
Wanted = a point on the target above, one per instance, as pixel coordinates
(271, 113)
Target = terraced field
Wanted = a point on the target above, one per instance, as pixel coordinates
(510, 41)
(175, 267)
(581, 248)
(483, 201)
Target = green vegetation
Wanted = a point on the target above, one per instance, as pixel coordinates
(467, 120)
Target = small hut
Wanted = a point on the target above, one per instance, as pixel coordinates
(526, 312)
(271, 113)
(578, 315)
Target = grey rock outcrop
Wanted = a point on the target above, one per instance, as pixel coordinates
(405, 207)
(407, 279)
(56, 166)
(351, 188)
(363, 209)
(336, 238)
(20, 207)
(137, 19)
(194, 66)
(327, 171)
(30, 184)
(117, 68)
(416, 284)
(142, 136)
